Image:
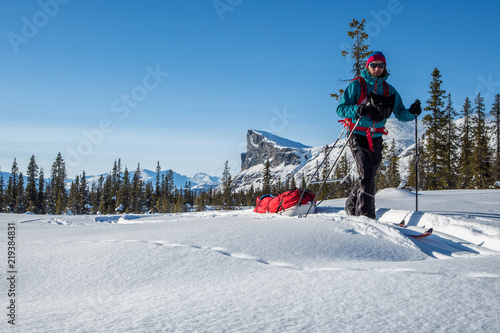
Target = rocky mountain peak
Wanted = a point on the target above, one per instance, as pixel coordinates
(262, 146)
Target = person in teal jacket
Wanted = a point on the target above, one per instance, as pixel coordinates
(371, 100)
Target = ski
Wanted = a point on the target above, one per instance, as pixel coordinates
(424, 234)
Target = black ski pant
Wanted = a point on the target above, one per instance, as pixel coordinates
(361, 200)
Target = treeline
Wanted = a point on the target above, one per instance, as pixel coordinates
(120, 191)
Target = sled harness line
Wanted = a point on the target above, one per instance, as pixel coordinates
(347, 122)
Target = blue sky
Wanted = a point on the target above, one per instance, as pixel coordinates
(180, 82)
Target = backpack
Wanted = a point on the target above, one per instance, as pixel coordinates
(375, 99)
(364, 89)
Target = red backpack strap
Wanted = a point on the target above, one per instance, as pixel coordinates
(348, 124)
(386, 89)
(364, 89)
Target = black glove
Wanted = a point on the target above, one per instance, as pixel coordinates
(365, 109)
(415, 108)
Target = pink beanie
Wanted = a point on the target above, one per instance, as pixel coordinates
(377, 55)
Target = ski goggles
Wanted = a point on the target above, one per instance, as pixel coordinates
(375, 65)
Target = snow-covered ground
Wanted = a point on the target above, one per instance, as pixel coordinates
(239, 271)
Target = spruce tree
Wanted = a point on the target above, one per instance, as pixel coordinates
(167, 191)
(137, 191)
(160, 195)
(157, 193)
(358, 52)
(84, 195)
(20, 200)
(495, 112)
(148, 197)
(31, 186)
(41, 209)
(123, 198)
(227, 184)
(116, 180)
(188, 195)
(465, 143)
(435, 122)
(481, 155)
(73, 197)
(106, 204)
(58, 196)
(97, 195)
(12, 188)
(266, 178)
(450, 160)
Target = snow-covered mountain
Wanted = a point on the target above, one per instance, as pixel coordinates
(289, 158)
(200, 181)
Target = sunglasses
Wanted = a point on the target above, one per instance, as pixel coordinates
(375, 65)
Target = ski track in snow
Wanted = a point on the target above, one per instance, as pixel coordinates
(440, 245)
(452, 236)
(246, 257)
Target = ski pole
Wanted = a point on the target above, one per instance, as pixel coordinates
(336, 187)
(317, 169)
(334, 163)
(416, 165)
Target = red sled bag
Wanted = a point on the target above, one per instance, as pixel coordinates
(291, 198)
(274, 204)
(262, 203)
(282, 201)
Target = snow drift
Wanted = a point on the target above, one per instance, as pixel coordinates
(247, 272)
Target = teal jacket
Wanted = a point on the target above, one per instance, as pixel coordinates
(347, 107)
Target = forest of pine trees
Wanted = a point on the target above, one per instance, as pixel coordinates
(464, 156)
(121, 191)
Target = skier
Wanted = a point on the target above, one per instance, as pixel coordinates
(372, 99)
